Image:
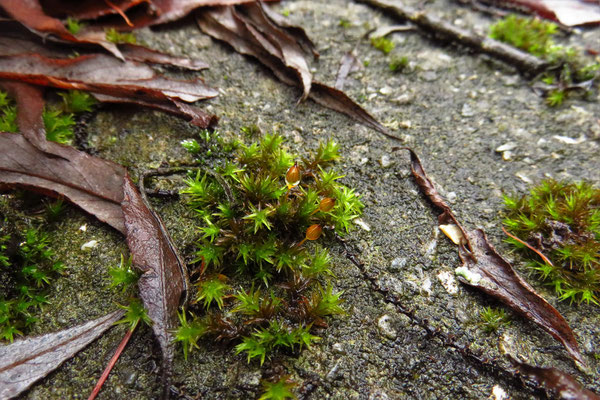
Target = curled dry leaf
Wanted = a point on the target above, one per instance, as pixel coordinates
(91, 183)
(230, 26)
(484, 269)
(164, 279)
(24, 362)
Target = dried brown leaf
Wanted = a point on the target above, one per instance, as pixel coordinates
(224, 23)
(164, 279)
(102, 74)
(91, 183)
(24, 362)
(193, 114)
(485, 269)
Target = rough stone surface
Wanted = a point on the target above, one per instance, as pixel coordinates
(461, 106)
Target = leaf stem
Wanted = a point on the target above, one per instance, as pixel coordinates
(111, 364)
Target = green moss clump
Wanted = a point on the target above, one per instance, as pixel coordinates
(561, 220)
(263, 283)
(29, 271)
(58, 122)
(492, 319)
(382, 44)
(114, 36)
(569, 70)
(74, 26)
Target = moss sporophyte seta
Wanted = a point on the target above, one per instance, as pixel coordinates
(263, 280)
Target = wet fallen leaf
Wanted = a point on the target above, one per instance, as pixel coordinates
(226, 24)
(558, 384)
(484, 269)
(193, 114)
(24, 362)
(164, 279)
(498, 279)
(102, 74)
(91, 183)
(30, 106)
(31, 14)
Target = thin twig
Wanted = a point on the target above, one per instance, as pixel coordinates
(111, 364)
(523, 61)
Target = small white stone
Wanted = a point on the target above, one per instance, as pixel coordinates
(570, 140)
(467, 111)
(426, 287)
(83, 228)
(398, 263)
(451, 197)
(499, 393)
(385, 161)
(406, 124)
(448, 282)
(89, 245)
(506, 147)
(338, 348)
(507, 155)
(386, 90)
(385, 327)
(362, 224)
(523, 177)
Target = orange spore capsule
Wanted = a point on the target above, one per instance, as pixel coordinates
(326, 204)
(293, 176)
(314, 232)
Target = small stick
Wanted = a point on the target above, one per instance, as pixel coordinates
(111, 364)
(530, 247)
(525, 62)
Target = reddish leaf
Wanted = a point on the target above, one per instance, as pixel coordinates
(30, 105)
(226, 24)
(567, 12)
(101, 74)
(489, 272)
(31, 14)
(88, 9)
(139, 53)
(93, 184)
(24, 362)
(558, 384)
(165, 279)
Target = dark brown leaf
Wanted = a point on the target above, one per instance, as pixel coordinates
(558, 384)
(93, 184)
(31, 14)
(30, 106)
(278, 43)
(101, 74)
(88, 9)
(193, 114)
(489, 272)
(225, 23)
(24, 362)
(134, 52)
(164, 279)
(486, 270)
